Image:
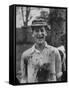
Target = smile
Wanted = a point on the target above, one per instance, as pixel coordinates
(41, 37)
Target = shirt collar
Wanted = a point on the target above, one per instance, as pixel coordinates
(34, 49)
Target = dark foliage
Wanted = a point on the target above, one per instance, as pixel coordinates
(57, 20)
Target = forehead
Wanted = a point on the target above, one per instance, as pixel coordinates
(37, 28)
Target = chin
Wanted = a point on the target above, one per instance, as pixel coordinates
(40, 41)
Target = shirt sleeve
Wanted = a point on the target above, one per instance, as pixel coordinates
(23, 70)
(58, 65)
(64, 62)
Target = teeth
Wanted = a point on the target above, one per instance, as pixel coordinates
(39, 37)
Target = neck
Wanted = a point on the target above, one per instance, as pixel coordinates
(40, 47)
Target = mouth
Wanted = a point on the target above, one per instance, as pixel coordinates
(40, 37)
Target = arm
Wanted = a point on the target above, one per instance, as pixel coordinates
(58, 65)
(64, 62)
(23, 70)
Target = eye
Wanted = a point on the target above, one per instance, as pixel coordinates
(36, 29)
(41, 30)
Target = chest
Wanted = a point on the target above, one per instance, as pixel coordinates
(40, 58)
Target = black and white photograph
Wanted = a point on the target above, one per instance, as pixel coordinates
(41, 44)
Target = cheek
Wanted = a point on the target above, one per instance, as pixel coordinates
(45, 34)
(33, 34)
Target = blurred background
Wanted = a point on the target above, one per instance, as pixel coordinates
(55, 17)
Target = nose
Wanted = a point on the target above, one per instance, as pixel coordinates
(40, 32)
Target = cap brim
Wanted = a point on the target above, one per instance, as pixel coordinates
(38, 25)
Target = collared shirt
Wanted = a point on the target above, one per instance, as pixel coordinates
(41, 66)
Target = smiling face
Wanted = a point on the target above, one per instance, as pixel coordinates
(39, 34)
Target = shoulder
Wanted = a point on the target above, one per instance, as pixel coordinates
(61, 49)
(53, 49)
(27, 53)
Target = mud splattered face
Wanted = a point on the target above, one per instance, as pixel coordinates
(39, 34)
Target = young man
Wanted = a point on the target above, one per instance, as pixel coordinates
(42, 62)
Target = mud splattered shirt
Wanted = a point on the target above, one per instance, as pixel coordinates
(39, 66)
